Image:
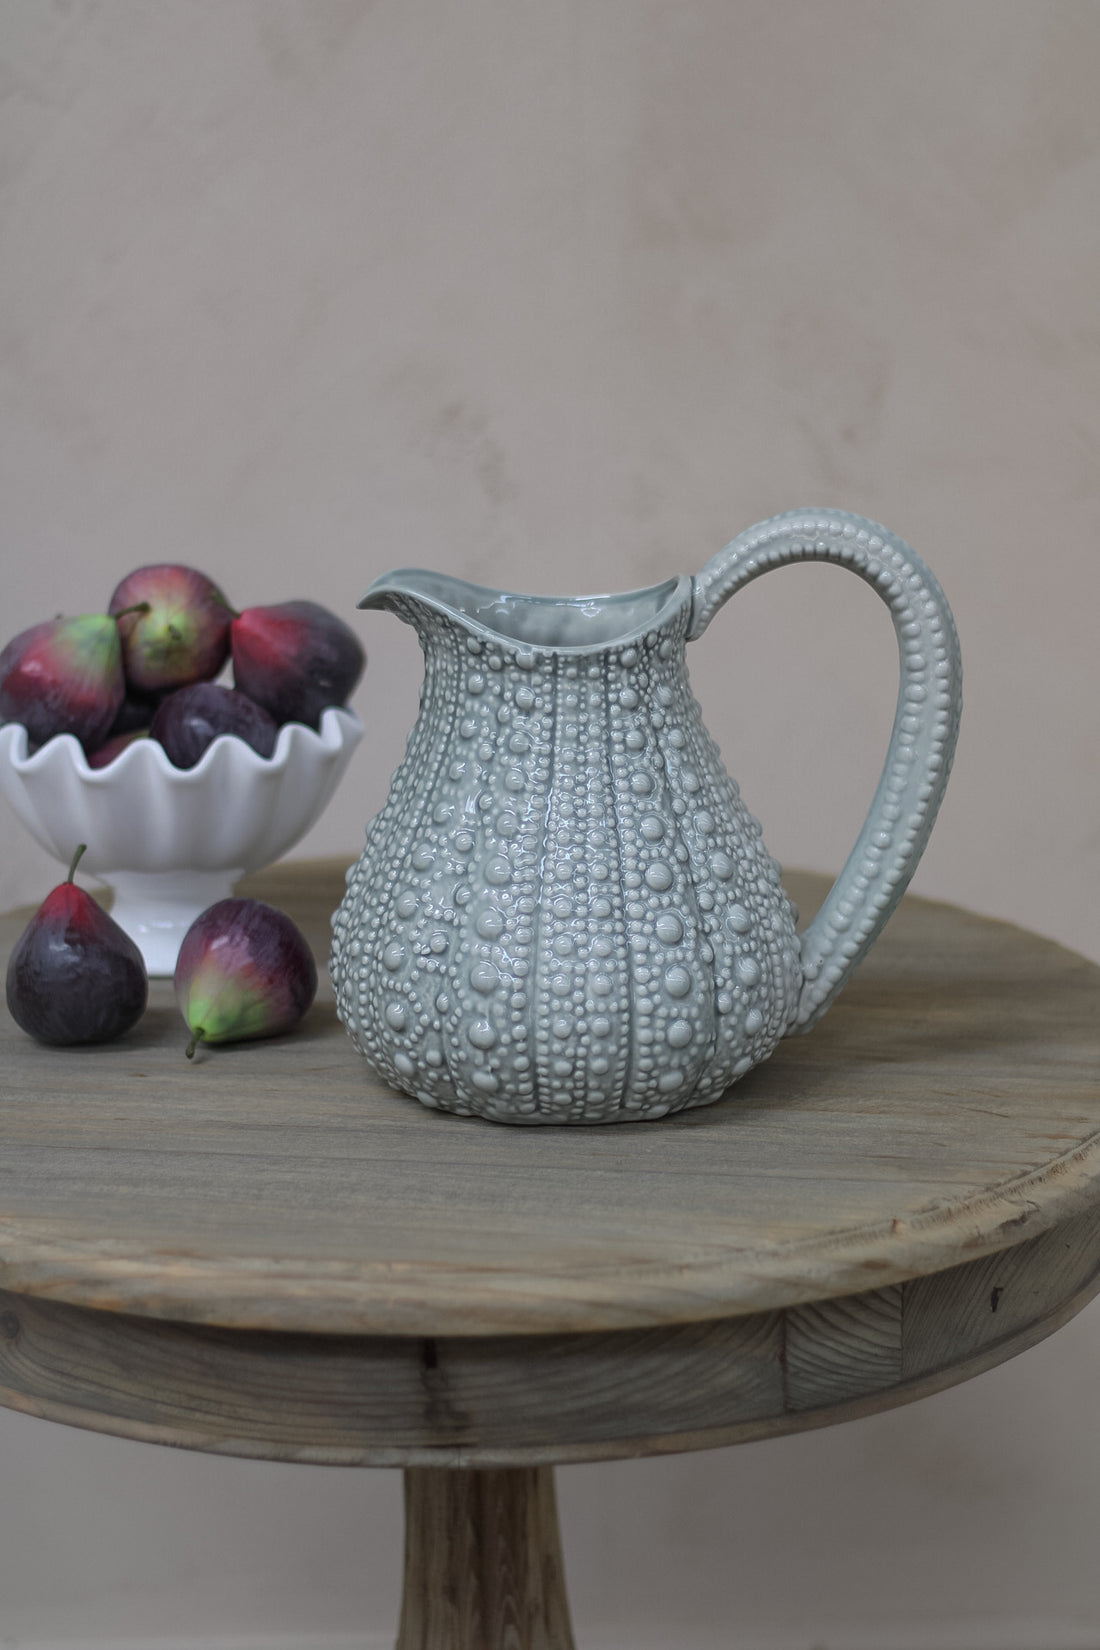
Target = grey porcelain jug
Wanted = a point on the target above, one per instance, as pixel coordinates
(564, 913)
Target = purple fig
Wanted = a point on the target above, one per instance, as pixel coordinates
(244, 970)
(132, 721)
(295, 659)
(105, 754)
(174, 624)
(188, 721)
(64, 676)
(136, 711)
(75, 976)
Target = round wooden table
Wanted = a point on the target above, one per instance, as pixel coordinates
(268, 1253)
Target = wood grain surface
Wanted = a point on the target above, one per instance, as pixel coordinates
(946, 1109)
(505, 1401)
(483, 1562)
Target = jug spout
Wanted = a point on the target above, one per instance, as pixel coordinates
(560, 624)
(415, 584)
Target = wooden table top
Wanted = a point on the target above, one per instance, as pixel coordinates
(948, 1107)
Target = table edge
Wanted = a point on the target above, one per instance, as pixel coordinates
(402, 1300)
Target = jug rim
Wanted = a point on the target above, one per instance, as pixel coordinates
(527, 622)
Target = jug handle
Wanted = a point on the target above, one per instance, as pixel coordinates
(922, 742)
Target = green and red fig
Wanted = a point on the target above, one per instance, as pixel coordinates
(75, 976)
(295, 659)
(64, 676)
(244, 970)
(174, 624)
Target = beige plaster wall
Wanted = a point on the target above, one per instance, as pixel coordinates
(562, 296)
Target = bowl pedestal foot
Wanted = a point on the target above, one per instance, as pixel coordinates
(156, 908)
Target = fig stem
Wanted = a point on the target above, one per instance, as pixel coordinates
(83, 849)
(196, 1039)
(229, 608)
(138, 607)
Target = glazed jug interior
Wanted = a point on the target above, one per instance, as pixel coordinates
(564, 623)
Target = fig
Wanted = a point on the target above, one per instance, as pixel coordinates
(189, 721)
(135, 712)
(105, 754)
(74, 975)
(244, 970)
(174, 625)
(295, 659)
(64, 676)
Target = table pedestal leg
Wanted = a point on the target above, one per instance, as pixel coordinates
(483, 1565)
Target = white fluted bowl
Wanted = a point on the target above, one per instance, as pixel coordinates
(171, 841)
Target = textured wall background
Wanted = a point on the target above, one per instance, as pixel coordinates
(563, 297)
